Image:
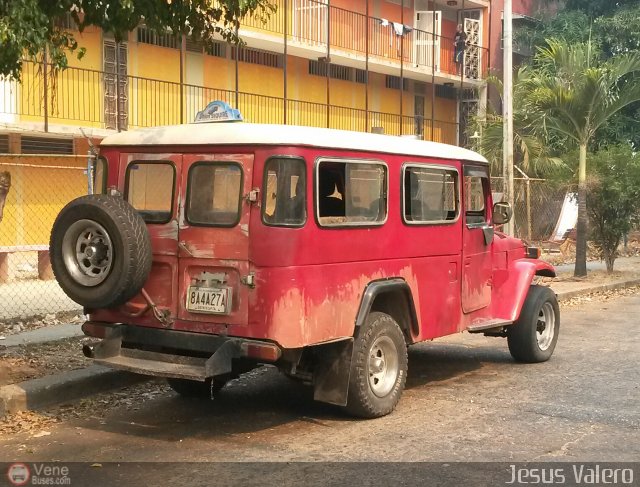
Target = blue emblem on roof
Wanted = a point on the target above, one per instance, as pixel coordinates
(219, 111)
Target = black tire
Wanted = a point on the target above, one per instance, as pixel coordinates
(528, 338)
(363, 400)
(96, 284)
(194, 388)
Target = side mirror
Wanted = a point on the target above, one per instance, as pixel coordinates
(502, 213)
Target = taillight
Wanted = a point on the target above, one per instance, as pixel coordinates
(262, 351)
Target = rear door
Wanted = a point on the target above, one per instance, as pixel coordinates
(213, 245)
(150, 185)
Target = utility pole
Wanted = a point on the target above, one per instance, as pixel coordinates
(507, 110)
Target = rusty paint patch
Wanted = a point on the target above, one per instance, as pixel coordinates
(169, 231)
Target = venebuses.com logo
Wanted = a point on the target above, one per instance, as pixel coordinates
(38, 474)
(18, 474)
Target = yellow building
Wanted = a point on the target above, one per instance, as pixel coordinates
(366, 65)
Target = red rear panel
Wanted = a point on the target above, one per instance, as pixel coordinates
(214, 238)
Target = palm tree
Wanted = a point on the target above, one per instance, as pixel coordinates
(574, 93)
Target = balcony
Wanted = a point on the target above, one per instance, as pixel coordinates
(88, 98)
(354, 38)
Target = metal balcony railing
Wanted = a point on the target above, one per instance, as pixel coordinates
(311, 22)
(87, 98)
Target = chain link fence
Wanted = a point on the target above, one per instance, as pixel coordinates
(33, 189)
(537, 206)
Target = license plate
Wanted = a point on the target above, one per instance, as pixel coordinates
(209, 300)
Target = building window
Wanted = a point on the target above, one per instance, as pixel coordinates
(393, 82)
(217, 49)
(351, 193)
(165, 39)
(344, 73)
(45, 145)
(257, 56)
(446, 91)
(361, 76)
(65, 22)
(4, 144)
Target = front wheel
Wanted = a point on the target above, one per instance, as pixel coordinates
(534, 335)
(378, 368)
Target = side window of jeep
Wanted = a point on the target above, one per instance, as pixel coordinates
(150, 189)
(475, 211)
(351, 193)
(214, 194)
(430, 194)
(284, 192)
(100, 176)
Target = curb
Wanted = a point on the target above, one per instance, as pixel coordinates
(63, 387)
(566, 295)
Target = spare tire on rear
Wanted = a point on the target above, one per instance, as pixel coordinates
(100, 251)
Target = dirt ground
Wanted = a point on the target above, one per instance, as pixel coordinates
(26, 362)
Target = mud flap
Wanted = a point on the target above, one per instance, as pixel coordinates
(332, 373)
(220, 362)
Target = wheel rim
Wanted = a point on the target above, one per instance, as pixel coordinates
(383, 366)
(87, 252)
(546, 326)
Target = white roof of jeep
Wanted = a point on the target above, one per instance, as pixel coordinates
(240, 133)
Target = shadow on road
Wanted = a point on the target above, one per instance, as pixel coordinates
(265, 400)
(430, 363)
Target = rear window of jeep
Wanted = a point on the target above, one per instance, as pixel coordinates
(214, 194)
(150, 189)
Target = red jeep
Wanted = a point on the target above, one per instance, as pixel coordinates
(216, 247)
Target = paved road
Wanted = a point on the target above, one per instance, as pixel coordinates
(465, 400)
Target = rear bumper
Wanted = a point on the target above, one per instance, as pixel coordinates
(170, 353)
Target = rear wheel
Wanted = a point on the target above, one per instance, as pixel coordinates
(534, 336)
(378, 368)
(194, 388)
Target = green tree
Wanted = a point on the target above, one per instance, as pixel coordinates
(611, 28)
(28, 27)
(574, 93)
(595, 8)
(613, 199)
(533, 154)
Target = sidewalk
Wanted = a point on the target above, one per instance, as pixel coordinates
(43, 335)
(626, 274)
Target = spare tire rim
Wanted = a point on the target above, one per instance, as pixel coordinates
(87, 252)
(383, 366)
(546, 326)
